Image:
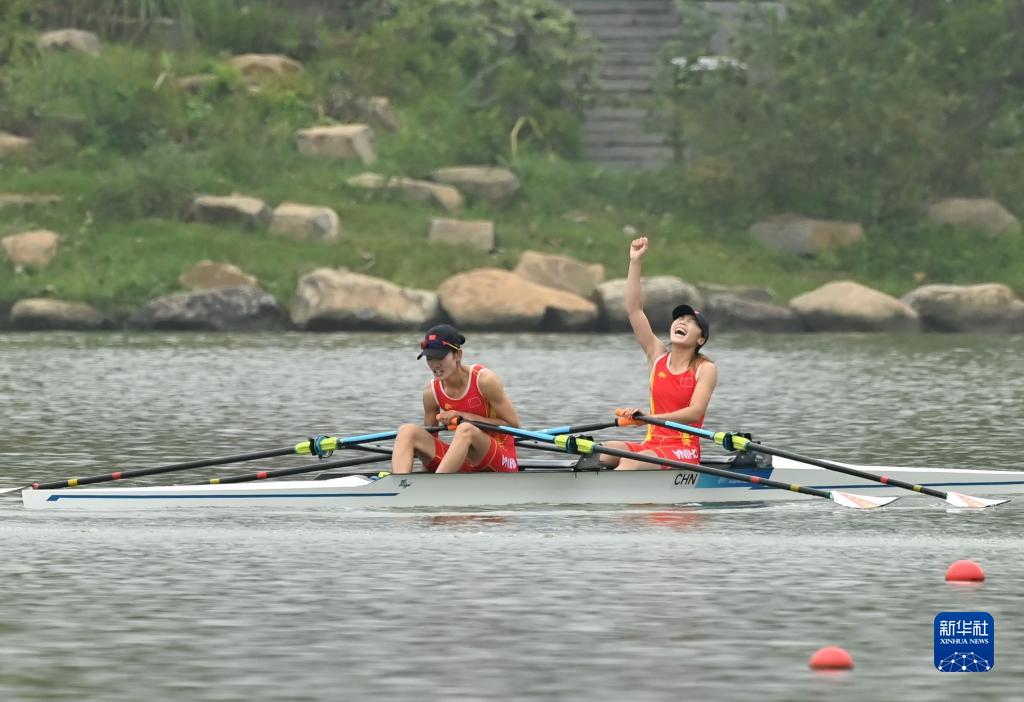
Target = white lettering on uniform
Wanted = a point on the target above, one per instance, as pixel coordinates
(685, 454)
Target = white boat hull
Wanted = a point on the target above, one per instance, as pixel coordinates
(562, 487)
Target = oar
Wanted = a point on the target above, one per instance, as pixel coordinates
(574, 444)
(324, 444)
(282, 472)
(739, 443)
(279, 473)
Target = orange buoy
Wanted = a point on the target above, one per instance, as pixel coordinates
(965, 571)
(831, 658)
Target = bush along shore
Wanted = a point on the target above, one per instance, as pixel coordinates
(248, 185)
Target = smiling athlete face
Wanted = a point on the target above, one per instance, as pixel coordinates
(442, 368)
(686, 331)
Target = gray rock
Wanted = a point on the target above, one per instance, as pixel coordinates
(475, 234)
(495, 185)
(230, 209)
(561, 272)
(978, 214)
(35, 248)
(661, 294)
(44, 313)
(747, 292)
(731, 312)
(846, 306)
(262, 65)
(71, 40)
(207, 274)
(330, 300)
(806, 236)
(306, 222)
(223, 309)
(492, 298)
(345, 142)
(989, 307)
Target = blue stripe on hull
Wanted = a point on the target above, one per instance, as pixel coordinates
(706, 480)
(54, 498)
(713, 481)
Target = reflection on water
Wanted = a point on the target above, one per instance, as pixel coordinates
(558, 603)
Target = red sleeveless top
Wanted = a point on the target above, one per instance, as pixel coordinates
(670, 392)
(472, 402)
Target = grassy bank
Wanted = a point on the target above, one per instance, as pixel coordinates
(126, 151)
(117, 265)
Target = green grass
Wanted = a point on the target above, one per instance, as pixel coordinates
(119, 265)
(124, 240)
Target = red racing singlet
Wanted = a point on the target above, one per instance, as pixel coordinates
(473, 402)
(670, 392)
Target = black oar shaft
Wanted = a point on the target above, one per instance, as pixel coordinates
(155, 470)
(349, 442)
(338, 442)
(592, 447)
(282, 472)
(839, 468)
(731, 475)
(781, 453)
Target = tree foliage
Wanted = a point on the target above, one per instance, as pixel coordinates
(855, 108)
(469, 70)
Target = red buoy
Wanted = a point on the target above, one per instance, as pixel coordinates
(831, 658)
(965, 572)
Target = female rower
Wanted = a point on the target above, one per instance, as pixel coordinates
(681, 377)
(472, 392)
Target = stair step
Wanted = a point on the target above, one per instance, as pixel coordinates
(634, 159)
(598, 23)
(631, 35)
(627, 85)
(620, 72)
(631, 45)
(616, 113)
(650, 141)
(609, 129)
(603, 7)
(603, 128)
(629, 58)
(617, 33)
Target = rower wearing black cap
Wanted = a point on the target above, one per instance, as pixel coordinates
(682, 378)
(472, 392)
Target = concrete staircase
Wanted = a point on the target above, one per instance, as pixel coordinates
(631, 34)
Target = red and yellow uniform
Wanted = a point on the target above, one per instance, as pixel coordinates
(670, 392)
(501, 457)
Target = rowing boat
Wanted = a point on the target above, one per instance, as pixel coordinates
(539, 484)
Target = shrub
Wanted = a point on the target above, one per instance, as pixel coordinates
(484, 65)
(158, 182)
(822, 120)
(108, 101)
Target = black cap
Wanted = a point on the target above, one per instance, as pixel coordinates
(702, 321)
(440, 340)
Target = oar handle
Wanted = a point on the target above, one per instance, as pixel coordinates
(696, 431)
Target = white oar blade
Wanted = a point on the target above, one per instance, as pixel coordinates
(848, 499)
(958, 499)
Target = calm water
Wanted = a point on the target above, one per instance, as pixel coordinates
(603, 604)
